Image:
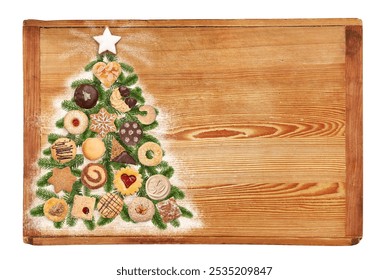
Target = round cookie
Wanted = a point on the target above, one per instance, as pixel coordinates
(55, 209)
(63, 150)
(158, 187)
(110, 205)
(127, 181)
(155, 149)
(76, 122)
(150, 116)
(130, 133)
(94, 176)
(86, 96)
(141, 209)
(93, 148)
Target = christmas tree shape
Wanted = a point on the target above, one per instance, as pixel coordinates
(107, 153)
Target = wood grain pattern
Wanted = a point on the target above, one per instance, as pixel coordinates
(254, 116)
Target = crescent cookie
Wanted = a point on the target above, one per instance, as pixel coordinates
(94, 176)
(141, 209)
(117, 102)
(150, 116)
(55, 209)
(155, 149)
(76, 122)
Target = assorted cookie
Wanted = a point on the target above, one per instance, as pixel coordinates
(127, 181)
(156, 152)
(62, 179)
(55, 209)
(94, 176)
(110, 205)
(63, 150)
(83, 207)
(141, 209)
(93, 148)
(130, 133)
(169, 210)
(103, 122)
(107, 73)
(86, 96)
(119, 154)
(150, 116)
(76, 122)
(158, 187)
(118, 102)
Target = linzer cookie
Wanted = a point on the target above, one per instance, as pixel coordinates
(110, 205)
(83, 207)
(119, 154)
(76, 122)
(158, 187)
(169, 210)
(63, 150)
(141, 209)
(127, 181)
(94, 176)
(130, 133)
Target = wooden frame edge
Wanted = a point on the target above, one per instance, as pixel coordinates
(354, 131)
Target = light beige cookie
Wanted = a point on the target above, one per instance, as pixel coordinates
(76, 122)
(83, 207)
(156, 151)
(158, 187)
(63, 150)
(150, 116)
(117, 102)
(107, 73)
(93, 148)
(141, 209)
(110, 205)
(55, 209)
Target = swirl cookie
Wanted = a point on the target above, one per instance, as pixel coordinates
(94, 176)
(63, 150)
(55, 209)
(156, 154)
(110, 205)
(141, 209)
(150, 116)
(93, 148)
(158, 187)
(127, 181)
(76, 122)
(130, 133)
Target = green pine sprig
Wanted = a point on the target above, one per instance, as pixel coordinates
(58, 225)
(69, 105)
(60, 123)
(45, 194)
(176, 193)
(124, 214)
(80, 82)
(185, 212)
(90, 225)
(37, 211)
(70, 220)
(175, 223)
(43, 181)
(158, 222)
(104, 221)
(137, 94)
(47, 152)
(126, 68)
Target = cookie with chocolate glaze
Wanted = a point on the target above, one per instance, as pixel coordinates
(86, 96)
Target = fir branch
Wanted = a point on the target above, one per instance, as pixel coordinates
(108, 187)
(60, 123)
(76, 172)
(45, 194)
(37, 211)
(126, 68)
(47, 152)
(69, 105)
(97, 199)
(120, 79)
(90, 65)
(43, 181)
(148, 138)
(118, 165)
(130, 80)
(157, 221)
(76, 190)
(150, 126)
(151, 170)
(58, 225)
(185, 212)
(110, 56)
(76, 162)
(87, 191)
(104, 221)
(176, 193)
(83, 136)
(80, 82)
(167, 171)
(137, 94)
(175, 223)
(124, 214)
(142, 191)
(70, 220)
(90, 225)
(48, 163)
(52, 137)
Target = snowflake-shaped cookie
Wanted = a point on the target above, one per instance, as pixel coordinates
(103, 122)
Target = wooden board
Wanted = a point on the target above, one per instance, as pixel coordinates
(262, 120)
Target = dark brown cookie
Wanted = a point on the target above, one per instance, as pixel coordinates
(86, 96)
(130, 133)
(94, 176)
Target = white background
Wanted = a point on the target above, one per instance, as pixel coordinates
(369, 259)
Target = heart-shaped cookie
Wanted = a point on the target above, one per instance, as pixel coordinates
(107, 73)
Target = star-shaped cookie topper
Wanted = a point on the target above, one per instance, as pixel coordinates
(62, 179)
(103, 122)
(107, 41)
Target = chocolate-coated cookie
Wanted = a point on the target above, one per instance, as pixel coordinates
(86, 96)
(130, 133)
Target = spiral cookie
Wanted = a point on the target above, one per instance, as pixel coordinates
(94, 176)
(63, 150)
(76, 122)
(110, 205)
(158, 187)
(141, 209)
(156, 157)
(117, 102)
(130, 133)
(150, 116)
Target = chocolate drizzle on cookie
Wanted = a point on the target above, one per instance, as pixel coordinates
(63, 150)
(110, 205)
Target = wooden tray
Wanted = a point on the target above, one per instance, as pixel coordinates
(262, 120)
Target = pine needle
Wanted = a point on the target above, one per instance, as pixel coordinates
(58, 225)
(70, 220)
(47, 152)
(124, 214)
(37, 211)
(185, 212)
(176, 193)
(69, 105)
(45, 194)
(175, 223)
(126, 68)
(150, 126)
(130, 80)
(157, 221)
(60, 123)
(90, 65)
(52, 137)
(137, 94)
(80, 82)
(42, 182)
(90, 225)
(104, 221)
